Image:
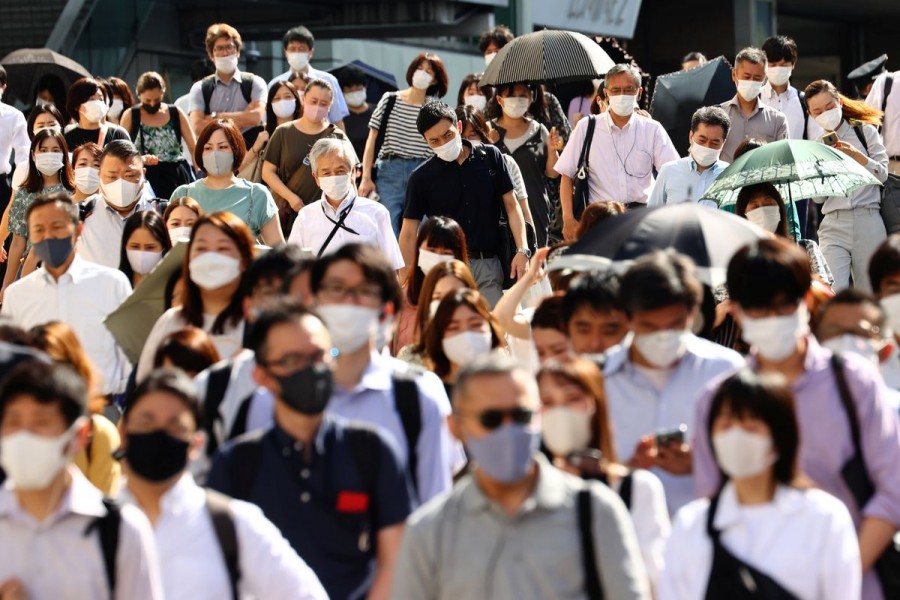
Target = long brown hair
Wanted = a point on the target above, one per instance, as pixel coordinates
(192, 307)
(856, 110)
(453, 268)
(59, 342)
(434, 333)
(35, 181)
(586, 375)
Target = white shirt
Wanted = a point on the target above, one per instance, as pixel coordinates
(13, 137)
(621, 161)
(788, 103)
(82, 298)
(370, 220)
(55, 560)
(803, 539)
(190, 558)
(650, 518)
(228, 343)
(680, 181)
(101, 236)
(891, 129)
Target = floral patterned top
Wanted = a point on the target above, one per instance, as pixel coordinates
(160, 141)
(20, 203)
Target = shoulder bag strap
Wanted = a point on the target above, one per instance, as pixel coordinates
(625, 489)
(861, 135)
(837, 364)
(334, 230)
(216, 386)
(888, 84)
(406, 403)
(584, 159)
(588, 552)
(207, 86)
(382, 128)
(226, 535)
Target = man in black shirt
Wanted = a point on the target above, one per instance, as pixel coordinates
(353, 85)
(470, 184)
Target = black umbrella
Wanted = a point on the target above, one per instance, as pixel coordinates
(678, 95)
(380, 82)
(550, 55)
(26, 67)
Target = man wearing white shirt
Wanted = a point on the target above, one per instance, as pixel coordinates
(159, 431)
(686, 179)
(70, 289)
(341, 217)
(121, 188)
(52, 520)
(890, 131)
(625, 149)
(13, 138)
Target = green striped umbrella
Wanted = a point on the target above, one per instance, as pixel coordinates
(799, 169)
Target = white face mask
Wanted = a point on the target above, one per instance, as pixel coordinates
(213, 270)
(32, 461)
(891, 306)
(476, 101)
(465, 347)
(565, 430)
(515, 108)
(779, 75)
(421, 79)
(742, 454)
(180, 234)
(704, 156)
(48, 163)
(355, 99)
(767, 217)
(450, 151)
(350, 326)
(661, 348)
(336, 187)
(284, 108)
(429, 260)
(87, 180)
(775, 338)
(218, 162)
(115, 111)
(849, 343)
(831, 118)
(121, 193)
(298, 60)
(748, 89)
(227, 64)
(489, 57)
(94, 110)
(142, 261)
(623, 104)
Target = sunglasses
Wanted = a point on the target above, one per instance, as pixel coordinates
(493, 418)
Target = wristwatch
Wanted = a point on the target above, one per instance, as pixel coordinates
(213, 115)
(524, 251)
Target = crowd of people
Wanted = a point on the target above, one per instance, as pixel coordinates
(369, 370)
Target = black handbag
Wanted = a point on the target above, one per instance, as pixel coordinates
(581, 196)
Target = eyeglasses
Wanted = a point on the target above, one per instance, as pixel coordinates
(338, 292)
(224, 50)
(493, 418)
(293, 361)
(630, 91)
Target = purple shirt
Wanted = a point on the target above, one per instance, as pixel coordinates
(826, 444)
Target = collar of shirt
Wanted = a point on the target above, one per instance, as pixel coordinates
(182, 497)
(376, 376)
(789, 94)
(549, 492)
(611, 125)
(81, 498)
(141, 204)
(287, 445)
(236, 76)
(728, 513)
(331, 210)
(75, 271)
(818, 358)
(736, 103)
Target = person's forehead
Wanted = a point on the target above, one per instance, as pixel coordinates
(114, 163)
(439, 128)
(849, 315)
(306, 334)
(345, 270)
(49, 212)
(707, 130)
(27, 404)
(298, 46)
(623, 79)
(159, 404)
(748, 67)
(332, 160)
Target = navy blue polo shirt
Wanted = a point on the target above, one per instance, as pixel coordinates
(323, 508)
(470, 193)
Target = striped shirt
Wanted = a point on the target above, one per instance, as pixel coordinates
(401, 139)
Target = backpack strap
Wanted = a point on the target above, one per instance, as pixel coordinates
(239, 427)
(247, 85)
(135, 122)
(888, 84)
(365, 447)
(246, 457)
(107, 528)
(588, 552)
(382, 128)
(226, 534)
(216, 386)
(837, 365)
(860, 134)
(207, 86)
(86, 209)
(175, 120)
(625, 489)
(406, 403)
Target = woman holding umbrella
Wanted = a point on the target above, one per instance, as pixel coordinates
(852, 227)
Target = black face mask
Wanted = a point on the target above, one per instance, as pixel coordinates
(308, 390)
(151, 108)
(156, 456)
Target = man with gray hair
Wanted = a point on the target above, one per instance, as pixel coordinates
(750, 118)
(515, 527)
(340, 216)
(623, 148)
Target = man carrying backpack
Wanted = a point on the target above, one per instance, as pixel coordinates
(195, 527)
(337, 492)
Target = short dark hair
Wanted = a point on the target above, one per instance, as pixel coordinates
(548, 314)
(350, 76)
(885, 261)
(152, 222)
(748, 144)
(598, 291)
(764, 189)
(278, 311)
(189, 349)
(762, 273)
(780, 47)
(711, 116)
(500, 35)
(767, 397)
(61, 199)
(375, 267)
(232, 134)
(119, 88)
(854, 297)
(124, 150)
(170, 381)
(48, 383)
(441, 80)
(660, 279)
(432, 113)
(298, 34)
(151, 80)
(220, 30)
(474, 118)
(38, 111)
(274, 264)
(692, 56)
(751, 55)
(79, 93)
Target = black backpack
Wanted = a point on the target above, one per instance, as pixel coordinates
(86, 208)
(208, 84)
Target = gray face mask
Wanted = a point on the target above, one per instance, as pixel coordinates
(54, 251)
(505, 453)
(218, 162)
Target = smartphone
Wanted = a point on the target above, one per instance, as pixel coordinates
(830, 139)
(677, 435)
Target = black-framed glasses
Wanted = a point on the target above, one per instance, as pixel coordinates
(493, 418)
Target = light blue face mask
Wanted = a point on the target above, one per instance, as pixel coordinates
(505, 454)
